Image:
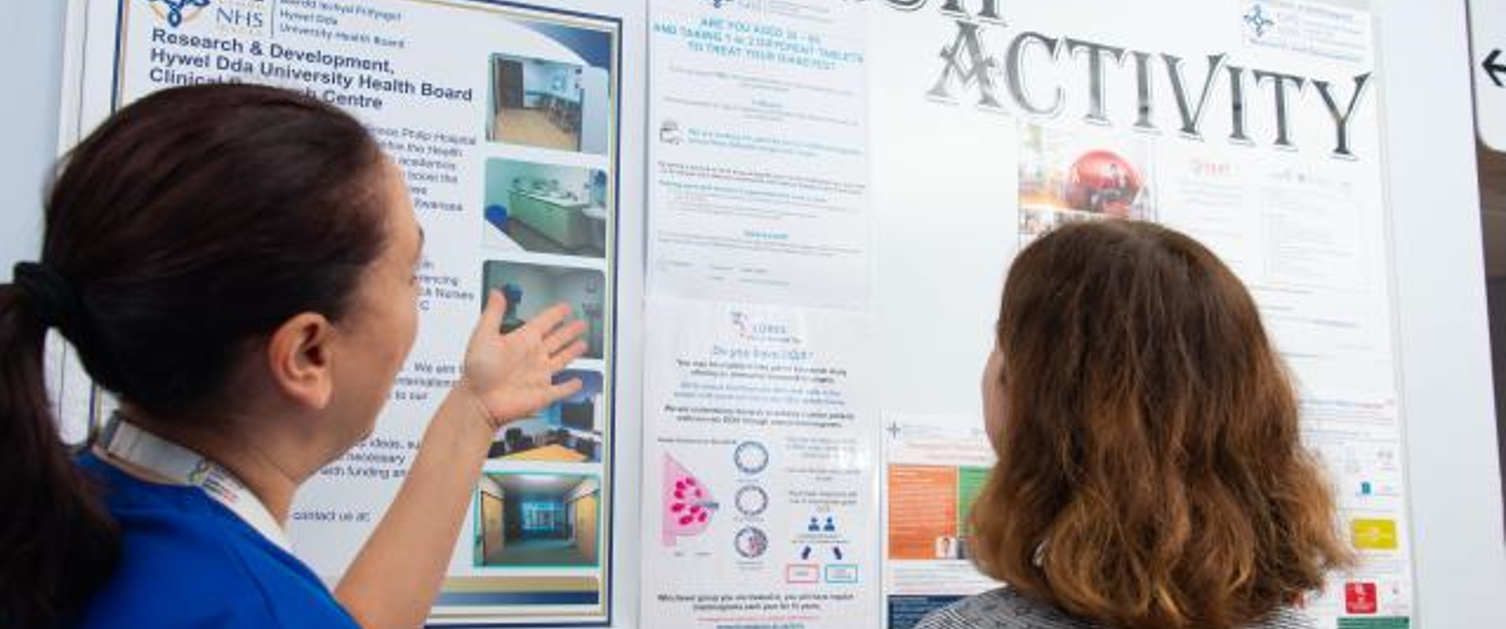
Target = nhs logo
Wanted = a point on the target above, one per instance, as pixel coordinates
(228, 17)
(178, 12)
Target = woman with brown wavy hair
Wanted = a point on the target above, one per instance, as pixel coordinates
(1151, 473)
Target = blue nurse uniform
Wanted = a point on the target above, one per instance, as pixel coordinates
(188, 561)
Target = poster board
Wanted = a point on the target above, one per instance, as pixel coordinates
(760, 344)
(1289, 189)
(958, 268)
(1257, 132)
(510, 122)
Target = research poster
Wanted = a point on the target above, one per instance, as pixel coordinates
(506, 119)
(1250, 124)
(760, 458)
(934, 470)
(758, 162)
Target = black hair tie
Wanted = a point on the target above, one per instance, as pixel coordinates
(55, 302)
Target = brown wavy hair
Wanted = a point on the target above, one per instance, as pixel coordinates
(1151, 473)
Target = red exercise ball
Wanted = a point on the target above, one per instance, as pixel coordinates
(1103, 182)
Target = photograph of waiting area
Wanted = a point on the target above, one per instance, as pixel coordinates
(533, 288)
(567, 431)
(538, 520)
(554, 103)
(543, 208)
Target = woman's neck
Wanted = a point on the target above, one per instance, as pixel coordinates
(254, 461)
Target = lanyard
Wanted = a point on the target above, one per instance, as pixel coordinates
(125, 441)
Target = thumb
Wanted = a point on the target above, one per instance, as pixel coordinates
(491, 317)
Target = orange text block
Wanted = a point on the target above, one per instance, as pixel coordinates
(922, 509)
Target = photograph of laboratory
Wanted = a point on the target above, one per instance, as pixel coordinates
(531, 288)
(537, 520)
(550, 104)
(567, 431)
(544, 208)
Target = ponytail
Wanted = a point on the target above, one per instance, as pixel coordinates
(57, 541)
(192, 221)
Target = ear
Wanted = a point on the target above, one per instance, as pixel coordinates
(300, 357)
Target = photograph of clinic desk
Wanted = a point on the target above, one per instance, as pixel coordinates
(565, 432)
(537, 520)
(549, 104)
(543, 208)
(531, 288)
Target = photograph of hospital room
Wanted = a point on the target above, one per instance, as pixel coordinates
(543, 208)
(566, 431)
(532, 288)
(549, 104)
(537, 520)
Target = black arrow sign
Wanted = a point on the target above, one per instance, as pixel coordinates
(1493, 68)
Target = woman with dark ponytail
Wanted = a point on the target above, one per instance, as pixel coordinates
(58, 539)
(236, 263)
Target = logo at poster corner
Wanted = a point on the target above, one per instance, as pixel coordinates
(669, 132)
(741, 324)
(1258, 20)
(230, 17)
(751, 329)
(177, 12)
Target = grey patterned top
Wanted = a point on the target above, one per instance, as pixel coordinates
(1006, 609)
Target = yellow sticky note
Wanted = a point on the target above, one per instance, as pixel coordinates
(1373, 534)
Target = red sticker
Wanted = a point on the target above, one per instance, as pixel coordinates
(1359, 598)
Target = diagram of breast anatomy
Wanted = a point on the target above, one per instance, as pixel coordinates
(688, 504)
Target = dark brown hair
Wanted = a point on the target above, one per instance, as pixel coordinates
(1151, 473)
(189, 223)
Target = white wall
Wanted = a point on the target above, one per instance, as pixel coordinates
(1457, 531)
(31, 40)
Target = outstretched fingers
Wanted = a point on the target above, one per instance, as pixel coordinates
(566, 356)
(563, 336)
(565, 389)
(491, 316)
(545, 322)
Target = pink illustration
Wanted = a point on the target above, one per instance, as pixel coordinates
(687, 504)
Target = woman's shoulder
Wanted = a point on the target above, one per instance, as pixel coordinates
(186, 561)
(1006, 608)
(1003, 608)
(176, 569)
(1287, 618)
